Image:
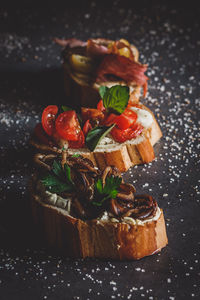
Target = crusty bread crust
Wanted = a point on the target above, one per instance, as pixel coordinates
(123, 156)
(94, 238)
(127, 154)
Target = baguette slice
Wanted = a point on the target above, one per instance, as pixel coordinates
(80, 88)
(127, 154)
(95, 238)
(122, 155)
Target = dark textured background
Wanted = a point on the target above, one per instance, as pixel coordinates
(168, 38)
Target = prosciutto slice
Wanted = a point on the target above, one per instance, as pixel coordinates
(96, 47)
(71, 43)
(123, 68)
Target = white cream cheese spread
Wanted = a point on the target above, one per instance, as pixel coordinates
(65, 204)
(144, 116)
(52, 198)
(108, 217)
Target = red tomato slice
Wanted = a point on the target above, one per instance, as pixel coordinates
(126, 119)
(67, 126)
(87, 127)
(48, 119)
(91, 114)
(130, 133)
(100, 106)
(41, 135)
(110, 119)
(79, 143)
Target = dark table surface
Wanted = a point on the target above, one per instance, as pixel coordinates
(168, 38)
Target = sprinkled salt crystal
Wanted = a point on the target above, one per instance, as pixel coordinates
(87, 16)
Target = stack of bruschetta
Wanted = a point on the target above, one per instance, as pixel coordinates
(78, 196)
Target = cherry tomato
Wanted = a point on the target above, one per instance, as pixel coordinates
(87, 127)
(67, 126)
(130, 133)
(100, 106)
(91, 114)
(48, 119)
(41, 135)
(126, 119)
(123, 121)
(79, 143)
(110, 119)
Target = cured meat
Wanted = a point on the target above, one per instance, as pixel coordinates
(71, 43)
(96, 48)
(123, 68)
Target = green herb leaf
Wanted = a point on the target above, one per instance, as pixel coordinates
(66, 108)
(76, 155)
(115, 99)
(68, 173)
(55, 185)
(102, 90)
(99, 185)
(95, 135)
(58, 180)
(57, 168)
(109, 191)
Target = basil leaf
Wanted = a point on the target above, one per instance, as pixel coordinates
(102, 90)
(95, 135)
(115, 99)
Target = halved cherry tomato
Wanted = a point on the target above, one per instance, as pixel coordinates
(132, 132)
(110, 119)
(48, 119)
(91, 114)
(41, 135)
(100, 106)
(67, 126)
(123, 121)
(126, 119)
(79, 143)
(87, 127)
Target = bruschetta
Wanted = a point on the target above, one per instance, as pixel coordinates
(117, 132)
(88, 65)
(84, 212)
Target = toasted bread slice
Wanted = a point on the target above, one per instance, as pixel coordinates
(82, 222)
(122, 155)
(98, 238)
(127, 154)
(79, 84)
